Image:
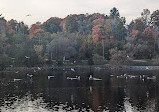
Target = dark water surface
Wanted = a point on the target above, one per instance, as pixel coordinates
(108, 92)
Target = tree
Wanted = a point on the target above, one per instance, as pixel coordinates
(35, 31)
(155, 18)
(137, 47)
(155, 23)
(71, 24)
(4, 59)
(61, 47)
(114, 13)
(86, 48)
(150, 36)
(155, 60)
(146, 17)
(118, 57)
(98, 33)
(15, 27)
(139, 24)
(52, 25)
(3, 26)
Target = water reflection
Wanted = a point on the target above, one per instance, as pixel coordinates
(114, 92)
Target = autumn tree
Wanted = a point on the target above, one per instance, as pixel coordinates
(16, 27)
(150, 36)
(52, 25)
(98, 33)
(3, 26)
(35, 31)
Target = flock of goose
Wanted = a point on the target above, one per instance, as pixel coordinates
(51, 76)
(91, 78)
(141, 77)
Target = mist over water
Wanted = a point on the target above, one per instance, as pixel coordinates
(115, 91)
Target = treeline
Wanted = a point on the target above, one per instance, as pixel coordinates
(78, 37)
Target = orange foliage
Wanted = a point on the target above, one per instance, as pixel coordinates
(98, 21)
(63, 25)
(83, 46)
(112, 37)
(98, 33)
(149, 33)
(135, 33)
(34, 30)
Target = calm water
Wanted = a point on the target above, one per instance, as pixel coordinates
(108, 92)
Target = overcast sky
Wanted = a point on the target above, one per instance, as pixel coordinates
(41, 10)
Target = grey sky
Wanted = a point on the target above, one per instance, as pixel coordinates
(41, 10)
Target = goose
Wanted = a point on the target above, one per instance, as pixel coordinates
(143, 79)
(17, 72)
(72, 69)
(28, 15)
(50, 76)
(125, 74)
(147, 94)
(153, 77)
(27, 57)
(72, 98)
(95, 79)
(121, 76)
(74, 78)
(29, 75)
(97, 68)
(132, 76)
(34, 70)
(90, 89)
(140, 77)
(17, 80)
(39, 68)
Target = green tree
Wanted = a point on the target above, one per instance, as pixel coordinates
(52, 25)
(114, 13)
(155, 18)
(71, 24)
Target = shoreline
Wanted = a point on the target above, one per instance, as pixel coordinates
(85, 67)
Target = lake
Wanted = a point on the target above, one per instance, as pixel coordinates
(74, 91)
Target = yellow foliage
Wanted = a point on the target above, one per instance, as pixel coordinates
(38, 49)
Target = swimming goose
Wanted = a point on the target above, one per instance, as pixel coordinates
(93, 78)
(39, 68)
(27, 57)
(50, 76)
(74, 78)
(17, 80)
(17, 72)
(34, 70)
(151, 78)
(29, 75)
(72, 69)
